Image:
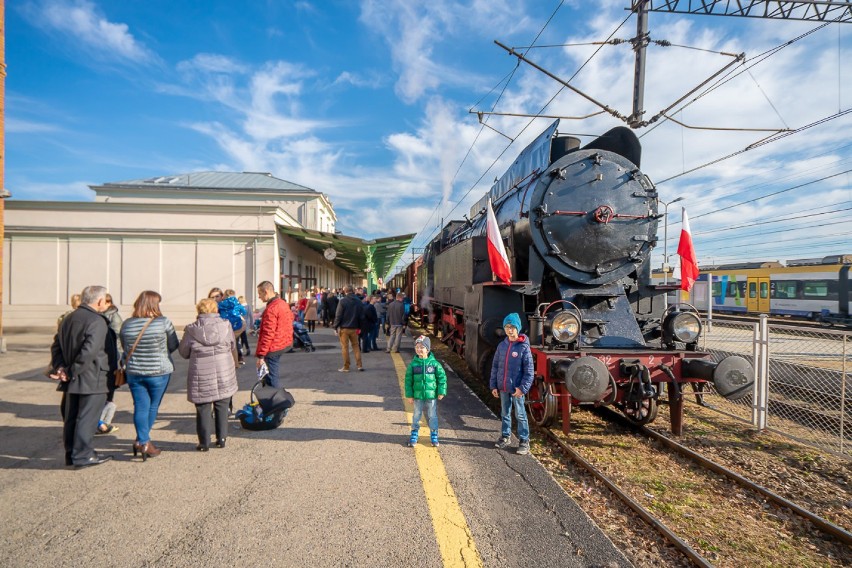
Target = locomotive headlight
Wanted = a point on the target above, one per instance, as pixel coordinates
(565, 327)
(682, 326)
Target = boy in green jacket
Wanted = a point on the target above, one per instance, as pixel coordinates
(425, 385)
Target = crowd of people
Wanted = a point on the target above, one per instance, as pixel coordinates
(92, 343)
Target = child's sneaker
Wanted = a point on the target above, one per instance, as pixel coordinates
(434, 438)
(104, 428)
(524, 447)
(412, 441)
(502, 443)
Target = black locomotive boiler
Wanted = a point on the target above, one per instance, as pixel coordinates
(579, 224)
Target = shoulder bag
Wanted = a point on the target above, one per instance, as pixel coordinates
(120, 375)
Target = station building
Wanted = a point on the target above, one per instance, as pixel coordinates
(180, 235)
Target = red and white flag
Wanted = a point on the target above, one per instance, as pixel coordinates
(688, 262)
(496, 251)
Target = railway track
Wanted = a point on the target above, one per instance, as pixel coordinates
(691, 460)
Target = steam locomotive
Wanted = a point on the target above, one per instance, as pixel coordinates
(579, 224)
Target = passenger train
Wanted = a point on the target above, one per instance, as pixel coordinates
(815, 289)
(579, 224)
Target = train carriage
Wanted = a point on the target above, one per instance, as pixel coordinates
(814, 289)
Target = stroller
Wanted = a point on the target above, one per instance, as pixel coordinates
(267, 407)
(301, 339)
(255, 326)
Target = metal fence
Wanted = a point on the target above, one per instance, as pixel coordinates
(803, 378)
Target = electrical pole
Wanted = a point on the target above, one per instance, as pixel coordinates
(666, 247)
(3, 193)
(640, 43)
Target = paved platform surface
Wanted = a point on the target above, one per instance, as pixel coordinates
(335, 485)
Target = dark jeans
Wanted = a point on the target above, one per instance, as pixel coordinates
(204, 420)
(374, 335)
(365, 341)
(82, 412)
(273, 363)
(244, 342)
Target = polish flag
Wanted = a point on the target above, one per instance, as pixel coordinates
(688, 262)
(496, 251)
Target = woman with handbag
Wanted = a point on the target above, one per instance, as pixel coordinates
(211, 347)
(148, 339)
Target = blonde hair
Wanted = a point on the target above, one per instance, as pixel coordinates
(76, 299)
(214, 291)
(241, 299)
(207, 306)
(229, 293)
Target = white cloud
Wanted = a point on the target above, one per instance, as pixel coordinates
(17, 126)
(74, 191)
(82, 21)
(370, 81)
(413, 29)
(211, 63)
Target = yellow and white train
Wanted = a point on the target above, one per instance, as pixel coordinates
(816, 289)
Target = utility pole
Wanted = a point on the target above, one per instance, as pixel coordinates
(3, 193)
(666, 266)
(640, 43)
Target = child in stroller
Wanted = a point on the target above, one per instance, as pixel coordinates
(255, 326)
(301, 339)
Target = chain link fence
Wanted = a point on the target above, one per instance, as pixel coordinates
(803, 380)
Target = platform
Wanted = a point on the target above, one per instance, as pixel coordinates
(335, 485)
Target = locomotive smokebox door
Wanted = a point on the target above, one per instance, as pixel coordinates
(594, 216)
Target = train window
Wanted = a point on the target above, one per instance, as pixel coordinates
(731, 292)
(752, 289)
(764, 290)
(784, 289)
(813, 289)
(719, 291)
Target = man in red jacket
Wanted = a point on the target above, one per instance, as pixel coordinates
(276, 331)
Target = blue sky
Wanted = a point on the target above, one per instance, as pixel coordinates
(368, 102)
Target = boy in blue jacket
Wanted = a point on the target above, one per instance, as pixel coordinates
(511, 379)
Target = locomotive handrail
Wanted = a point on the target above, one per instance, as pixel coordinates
(694, 309)
(551, 304)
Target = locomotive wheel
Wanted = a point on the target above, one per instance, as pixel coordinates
(483, 366)
(541, 403)
(445, 330)
(641, 413)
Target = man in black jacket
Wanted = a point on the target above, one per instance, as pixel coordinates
(368, 322)
(347, 323)
(331, 306)
(82, 357)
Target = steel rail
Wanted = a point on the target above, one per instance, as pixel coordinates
(823, 524)
(646, 515)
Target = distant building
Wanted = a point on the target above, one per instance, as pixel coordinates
(179, 235)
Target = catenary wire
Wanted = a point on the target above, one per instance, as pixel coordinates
(507, 80)
(529, 123)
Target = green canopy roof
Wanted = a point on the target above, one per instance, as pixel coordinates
(368, 258)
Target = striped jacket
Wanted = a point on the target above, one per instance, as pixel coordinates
(153, 354)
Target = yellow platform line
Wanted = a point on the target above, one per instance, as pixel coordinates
(455, 541)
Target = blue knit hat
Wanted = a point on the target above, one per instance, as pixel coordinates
(513, 319)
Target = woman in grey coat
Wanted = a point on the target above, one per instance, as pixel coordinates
(211, 348)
